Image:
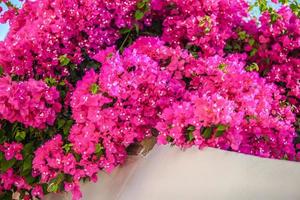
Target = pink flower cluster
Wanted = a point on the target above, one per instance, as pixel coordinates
(95, 77)
(30, 102)
(206, 24)
(9, 179)
(44, 30)
(229, 108)
(116, 107)
(140, 90)
(220, 93)
(50, 161)
(278, 44)
(12, 150)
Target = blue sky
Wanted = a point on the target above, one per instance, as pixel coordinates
(4, 27)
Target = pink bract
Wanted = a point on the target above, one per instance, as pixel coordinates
(82, 82)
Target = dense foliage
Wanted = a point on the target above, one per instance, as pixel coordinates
(81, 81)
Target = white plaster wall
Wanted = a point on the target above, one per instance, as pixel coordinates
(167, 173)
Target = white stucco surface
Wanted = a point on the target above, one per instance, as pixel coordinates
(167, 173)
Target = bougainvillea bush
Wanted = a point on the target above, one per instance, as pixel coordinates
(82, 81)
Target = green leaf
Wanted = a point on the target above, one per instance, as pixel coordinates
(140, 4)
(195, 54)
(236, 47)
(228, 47)
(207, 30)
(251, 7)
(26, 167)
(293, 7)
(193, 49)
(60, 177)
(274, 18)
(220, 130)
(50, 81)
(94, 88)
(94, 65)
(28, 149)
(61, 123)
(137, 29)
(15, 128)
(222, 67)
(284, 1)
(77, 157)
(170, 139)
(252, 67)
(191, 128)
(62, 94)
(124, 31)
(130, 41)
(55, 183)
(253, 52)
(52, 187)
(221, 127)
(250, 117)
(67, 127)
(62, 83)
(99, 150)
(64, 60)
(190, 136)
(3, 138)
(1, 70)
(251, 41)
(262, 4)
(6, 195)
(6, 164)
(27, 163)
(242, 35)
(274, 15)
(20, 136)
(67, 147)
(207, 133)
(29, 179)
(72, 67)
(139, 15)
(189, 133)
(267, 60)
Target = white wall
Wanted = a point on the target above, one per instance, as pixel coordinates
(168, 173)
